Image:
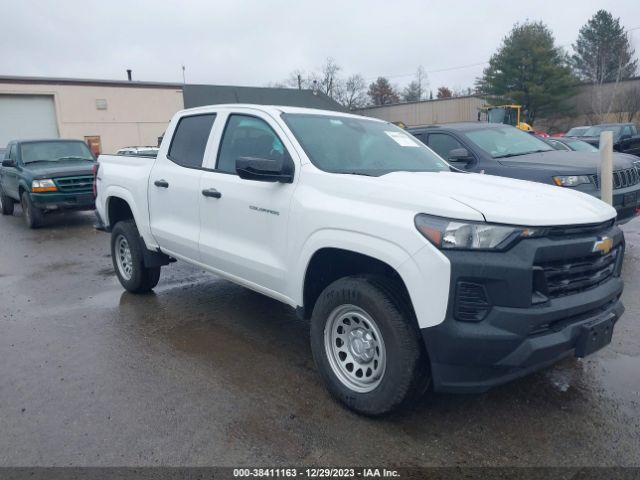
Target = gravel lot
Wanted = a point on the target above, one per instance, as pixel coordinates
(204, 372)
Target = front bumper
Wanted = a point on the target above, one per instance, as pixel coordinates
(522, 330)
(64, 201)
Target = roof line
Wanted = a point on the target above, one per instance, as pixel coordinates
(87, 81)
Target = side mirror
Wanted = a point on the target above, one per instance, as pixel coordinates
(459, 155)
(8, 163)
(265, 170)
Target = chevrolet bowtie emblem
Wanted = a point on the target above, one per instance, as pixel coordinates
(603, 245)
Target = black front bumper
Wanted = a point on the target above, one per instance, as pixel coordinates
(523, 328)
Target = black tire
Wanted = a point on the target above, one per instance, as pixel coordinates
(133, 275)
(33, 216)
(407, 372)
(7, 204)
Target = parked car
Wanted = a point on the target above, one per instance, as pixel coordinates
(577, 131)
(410, 274)
(570, 144)
(508, 152)
(625, 137)
(139, 151)
(46, 176)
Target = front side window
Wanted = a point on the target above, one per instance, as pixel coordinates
(55, 151)
(506, 142)
(190, 140)
(246, 136)
(442, 144)
(360, 146)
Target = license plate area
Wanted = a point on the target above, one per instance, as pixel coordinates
(595, 335)
(629, 199)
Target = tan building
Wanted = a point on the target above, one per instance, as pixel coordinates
(109, 115)
(427, 112)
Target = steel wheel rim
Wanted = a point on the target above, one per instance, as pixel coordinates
(355, 348)
(123, 257)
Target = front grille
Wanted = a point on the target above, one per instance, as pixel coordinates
(472, 303)
(81, 184)
(621, 178)
(567, 277)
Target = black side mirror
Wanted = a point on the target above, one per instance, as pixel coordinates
(265, 170)
(8, 162)
(459, 155)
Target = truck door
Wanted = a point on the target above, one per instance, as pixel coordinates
(10, 175)
(244, 222)
(174, 187)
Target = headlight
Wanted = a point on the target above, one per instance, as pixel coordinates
(571, 180)
(43, 185)
(450, 234)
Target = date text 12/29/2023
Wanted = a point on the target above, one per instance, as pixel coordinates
(315, 473)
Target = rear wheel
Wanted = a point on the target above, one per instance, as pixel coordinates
(32, 215)
(128, 259)
(367, 347)
(6, 204)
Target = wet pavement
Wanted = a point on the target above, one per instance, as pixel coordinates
(203, 372)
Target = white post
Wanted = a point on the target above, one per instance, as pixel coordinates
(606, 167)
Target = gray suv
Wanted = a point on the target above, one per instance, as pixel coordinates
(508, 152)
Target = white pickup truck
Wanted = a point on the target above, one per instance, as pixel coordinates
(412, 275)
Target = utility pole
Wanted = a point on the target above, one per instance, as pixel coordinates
(184, 77)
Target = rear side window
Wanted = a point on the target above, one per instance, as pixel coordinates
(190, 140)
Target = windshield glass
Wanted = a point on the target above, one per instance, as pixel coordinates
(598, 129)
(54, 151)
(508, 116)
(360, 146)
(577, 131)
(580, 146)
(506, 142)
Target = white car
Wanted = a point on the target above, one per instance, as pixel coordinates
(410, 274)
(139, 151)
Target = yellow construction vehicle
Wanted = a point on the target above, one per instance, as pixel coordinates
(509, 115)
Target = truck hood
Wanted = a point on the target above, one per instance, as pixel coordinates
(65, 168)
(562, 161)
(503, 200)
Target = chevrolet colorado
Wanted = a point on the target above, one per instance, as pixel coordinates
(411, 275)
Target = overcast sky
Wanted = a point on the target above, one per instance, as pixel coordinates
(257, 42)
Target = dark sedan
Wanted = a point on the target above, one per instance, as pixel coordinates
(508, 152)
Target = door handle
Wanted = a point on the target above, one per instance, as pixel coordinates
(211, 192)
(161, 183)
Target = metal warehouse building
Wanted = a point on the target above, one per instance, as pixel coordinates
(110, 115)
(442, 110)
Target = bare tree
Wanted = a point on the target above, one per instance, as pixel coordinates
(352, 92)
(416, 89)
(628, 105)
(327, 78)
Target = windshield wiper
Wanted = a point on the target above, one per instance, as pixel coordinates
(507, 155)
(41, 160)
(75, 158)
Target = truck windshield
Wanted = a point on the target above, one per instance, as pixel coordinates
(506, 142)
(54, 151)
(598, 129)
(360, 146)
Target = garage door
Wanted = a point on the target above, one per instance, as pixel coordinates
(26, 117)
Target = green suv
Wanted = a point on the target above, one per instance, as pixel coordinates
(46, 176)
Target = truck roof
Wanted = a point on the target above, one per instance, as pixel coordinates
(275, 110)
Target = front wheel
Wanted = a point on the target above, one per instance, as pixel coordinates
(127, 257)
(32, 215)
(367, 347)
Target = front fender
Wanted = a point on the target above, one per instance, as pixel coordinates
(425, 274)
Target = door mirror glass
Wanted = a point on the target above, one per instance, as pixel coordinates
(264, 169)
(8, 163)
(459, 155)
